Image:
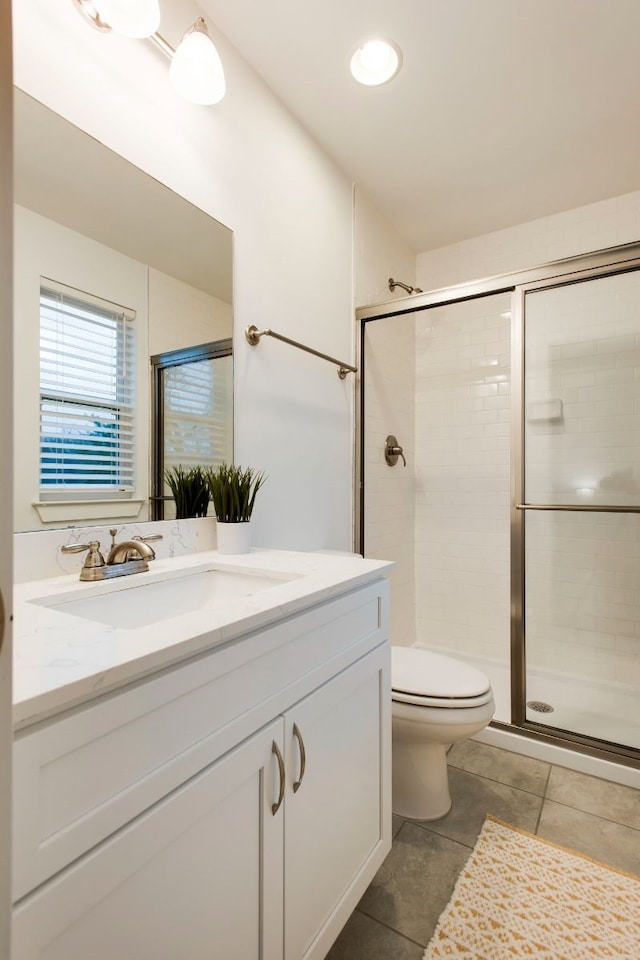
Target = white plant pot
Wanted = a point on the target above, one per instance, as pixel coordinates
(234, 537)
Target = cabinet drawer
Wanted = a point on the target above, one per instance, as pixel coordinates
(84, 774)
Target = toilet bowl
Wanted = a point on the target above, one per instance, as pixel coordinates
(436, 701)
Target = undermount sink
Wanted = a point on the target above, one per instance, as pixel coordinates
(142, 604)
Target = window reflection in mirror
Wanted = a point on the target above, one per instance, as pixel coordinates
(89, 220)
(192, 415)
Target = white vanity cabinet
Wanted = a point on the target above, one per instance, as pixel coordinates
(252, 838)
(185, 879)
(334, 823)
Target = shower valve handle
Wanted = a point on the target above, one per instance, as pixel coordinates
(393, 450)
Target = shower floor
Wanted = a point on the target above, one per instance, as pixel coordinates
(596, 709)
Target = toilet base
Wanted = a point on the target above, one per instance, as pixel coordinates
(420, 780)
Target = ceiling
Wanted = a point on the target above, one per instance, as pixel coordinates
(504, 111)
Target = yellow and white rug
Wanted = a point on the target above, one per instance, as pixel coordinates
(519, 897)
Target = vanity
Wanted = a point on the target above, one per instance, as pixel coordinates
(214, 783)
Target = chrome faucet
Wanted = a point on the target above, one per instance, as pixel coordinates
(124, 558)
(135, 549)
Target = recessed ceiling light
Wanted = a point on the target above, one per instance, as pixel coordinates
(375, 62)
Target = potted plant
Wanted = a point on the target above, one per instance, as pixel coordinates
(190, 490)
(233, 492)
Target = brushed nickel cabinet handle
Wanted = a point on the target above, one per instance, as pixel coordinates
(276, 806)
(2, 623)
(303, 757)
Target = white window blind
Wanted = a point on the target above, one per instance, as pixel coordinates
(197, 412)
(87, 395)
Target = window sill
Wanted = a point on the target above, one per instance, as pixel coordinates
(55, 511)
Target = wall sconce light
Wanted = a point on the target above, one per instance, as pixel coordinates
(196, 70)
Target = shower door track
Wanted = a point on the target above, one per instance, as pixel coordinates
(614, 260)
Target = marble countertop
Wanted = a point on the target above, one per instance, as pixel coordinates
(61, 660)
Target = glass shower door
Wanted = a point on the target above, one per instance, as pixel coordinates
(439, 381)
(579, 513)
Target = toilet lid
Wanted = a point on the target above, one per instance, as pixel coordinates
(421, 673)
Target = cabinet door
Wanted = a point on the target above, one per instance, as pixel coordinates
(338, 821)
(198, 876)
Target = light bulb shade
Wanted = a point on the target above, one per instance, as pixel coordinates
(132, 18)
(196, 69)
(375, 62)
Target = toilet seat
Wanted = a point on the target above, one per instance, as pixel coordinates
(425, 679)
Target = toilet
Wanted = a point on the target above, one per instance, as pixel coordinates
(436, 701)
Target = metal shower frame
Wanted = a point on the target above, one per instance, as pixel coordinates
(614, 260)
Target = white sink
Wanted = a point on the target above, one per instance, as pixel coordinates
(141, 604)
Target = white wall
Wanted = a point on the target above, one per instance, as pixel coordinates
(247, 162)
(379, 254)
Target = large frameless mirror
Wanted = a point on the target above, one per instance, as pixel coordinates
(111, 269)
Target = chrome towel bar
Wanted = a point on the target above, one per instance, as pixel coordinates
(253, 335)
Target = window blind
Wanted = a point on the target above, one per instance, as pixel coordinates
(87, 394)
(197, 412)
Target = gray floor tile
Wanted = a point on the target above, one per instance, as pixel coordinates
(593, 795)
(525, 773)
(611, 843)
(396, 823)
(414, 884)
(474, 797)
(365, 939)
(402, 905)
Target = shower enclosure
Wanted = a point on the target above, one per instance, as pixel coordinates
(514, 524)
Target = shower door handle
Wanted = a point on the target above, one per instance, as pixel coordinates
(580, 507)
(393, 450)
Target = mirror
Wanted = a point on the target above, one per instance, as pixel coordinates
(90, 221)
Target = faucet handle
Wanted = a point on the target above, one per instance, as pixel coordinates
(151, 538)
(76, 547)
(93, 559)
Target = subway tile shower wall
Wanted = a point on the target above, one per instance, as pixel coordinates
(463, 395)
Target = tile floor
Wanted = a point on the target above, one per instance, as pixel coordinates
(398, 913)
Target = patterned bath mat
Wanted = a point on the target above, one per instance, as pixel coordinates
(520, 897)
